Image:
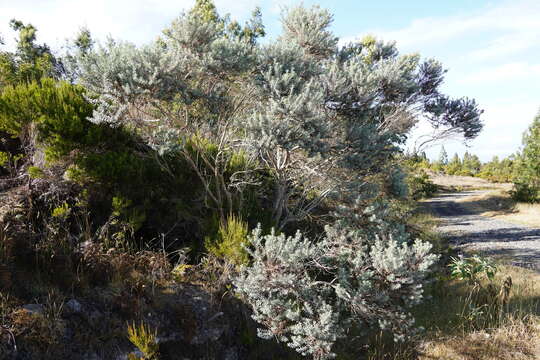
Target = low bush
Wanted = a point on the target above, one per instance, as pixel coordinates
(523, 192)
(145, 340)
(310, 295)
(420, 186)
(230, 241)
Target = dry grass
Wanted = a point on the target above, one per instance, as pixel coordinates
(512, 341)
(526, 214)
(516, 335)
(459, 327)
(498, 204)
(453, 182)
(453, 333)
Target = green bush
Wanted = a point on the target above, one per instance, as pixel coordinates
(230, 241)
(145, 340)
(528, 175)
(420, 186)
(471, 268)
(525, 193)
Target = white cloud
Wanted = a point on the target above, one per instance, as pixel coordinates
(508, 44)
(512, 25)
(516, 71)
(505, 121)
(134, 20)
(56, 20)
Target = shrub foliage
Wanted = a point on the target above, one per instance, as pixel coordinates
(166, 144)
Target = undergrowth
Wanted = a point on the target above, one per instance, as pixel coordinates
(476, 309)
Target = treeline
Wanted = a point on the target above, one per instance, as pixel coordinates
(495, 170)
(522, 168)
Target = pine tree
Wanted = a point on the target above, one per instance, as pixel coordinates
(527, 184)
(454, 167)
(30, 62)
(474, 165)
(443, 157)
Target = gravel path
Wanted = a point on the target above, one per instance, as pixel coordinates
(517, 244)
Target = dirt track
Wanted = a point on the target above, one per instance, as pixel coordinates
(519, 245)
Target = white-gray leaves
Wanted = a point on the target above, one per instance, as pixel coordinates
(310, 294)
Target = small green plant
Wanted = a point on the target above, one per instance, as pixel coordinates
(179, 272)
(62, 211)
(10, 161)
(54, 304)
(471, 268)
(230, 241)
(145, 340)
(126, 219)
(35, 172)
(4, 158)
(483, 303)
(420, 186)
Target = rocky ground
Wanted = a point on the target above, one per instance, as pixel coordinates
(516, 244)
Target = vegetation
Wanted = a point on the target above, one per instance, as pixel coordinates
(521, 169)
(211, 188)
(145, 340)
(470, 165)
(231, 241)
(528, 175)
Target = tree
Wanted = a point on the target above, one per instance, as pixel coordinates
(30, 62)
(474, 164)
(308, 109)
(470, 165)
(443, 157)
(527, 183)
(454, 167)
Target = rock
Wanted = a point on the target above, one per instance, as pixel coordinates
(169, 338)
(92, 356)
(95, 315)
(74, 306)
(35, 309)
(207, 334)
(231, 354)
(136, 352)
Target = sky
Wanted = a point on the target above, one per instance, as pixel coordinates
(490, 48)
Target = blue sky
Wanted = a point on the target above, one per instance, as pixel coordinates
(491, 48)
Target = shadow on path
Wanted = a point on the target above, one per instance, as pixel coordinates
(469, 231)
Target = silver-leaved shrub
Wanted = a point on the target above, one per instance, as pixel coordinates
(309, 294)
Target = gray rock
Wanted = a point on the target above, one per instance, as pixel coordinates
(92, 356)
(169, 338)
(231, 354)
(95, 315)
(74, 306)
(35, 309)
(208, 334)
(136, 352)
